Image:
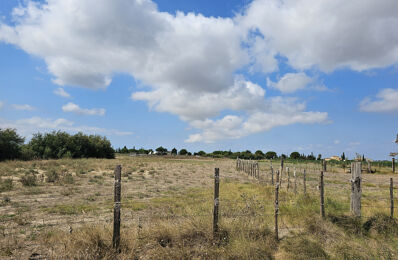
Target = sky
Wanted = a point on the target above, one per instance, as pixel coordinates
(281, 75)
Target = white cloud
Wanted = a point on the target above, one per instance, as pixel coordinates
(279, 112)
(327, 34)
(386, 101)
(189, 62)
(24, 107)
(336, 141)
(71, 107)
(29, 126)
(291, 82)
(62, 93)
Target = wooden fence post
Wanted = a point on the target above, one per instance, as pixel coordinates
(304, 182)
(272, 175)
(216, 201)
(356, 171)
(277, 177)
(324, 165)
(393, 165)
(295, 181)
(116, 209)
(392, 197)
(276, 210)
(369, 167)
(281, 172)
(288, 178)
(322, 193)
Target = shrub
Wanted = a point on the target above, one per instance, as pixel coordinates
(28, 180)
(52, 176)
(6, 185)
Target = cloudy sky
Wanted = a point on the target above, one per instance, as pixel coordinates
(283, 75)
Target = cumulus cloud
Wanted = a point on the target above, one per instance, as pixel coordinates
(24, 107)
(29, 126)
(386, 101)
(279, 112)
(72, 107)
(62, 93)
(327, 34)
(292, 82)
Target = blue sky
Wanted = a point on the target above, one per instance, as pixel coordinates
(205, 75)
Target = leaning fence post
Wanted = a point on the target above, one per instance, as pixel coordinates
(216, 201)
(304, 182)
(392, 197)
(116, 209)
(356, 169)
(276, 210)
(322, 193)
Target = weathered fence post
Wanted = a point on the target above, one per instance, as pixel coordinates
(295, 181)
(322, 193)
(277, 177)
(304, 182)
(392, 197)
(288, 178)
(276, 210)
(393, 165)
(272, 175)
(356, 171)
(116, 209)
(216, 201)
(369, 167)
(324, 165)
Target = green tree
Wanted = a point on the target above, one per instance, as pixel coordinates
(295, 155)
(124, 150)
(271, 155)
(174, 151)
(343, 157)
(319, 157)
(259, 155)
(161, 150)
(10, 144)
(201, 153)
(183, 152)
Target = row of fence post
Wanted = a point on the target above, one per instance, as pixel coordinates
(355, 208)
(250, 167)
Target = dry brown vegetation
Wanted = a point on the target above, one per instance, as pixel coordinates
(62, 209)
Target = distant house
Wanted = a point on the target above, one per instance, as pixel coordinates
(335, 157)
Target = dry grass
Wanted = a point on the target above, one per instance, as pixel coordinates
(167, 212)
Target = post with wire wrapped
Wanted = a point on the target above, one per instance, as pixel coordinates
(356, 192)
(216, 201)
(392, 197)
(116, 209)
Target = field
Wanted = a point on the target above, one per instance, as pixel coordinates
(63, 209)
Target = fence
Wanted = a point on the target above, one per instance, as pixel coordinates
(287, 180)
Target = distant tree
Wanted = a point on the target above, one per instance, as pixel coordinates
(124, 150)
(183, 152)
(319, 157)
(283, 156)
(10, 144)
(343, 157)
(363, 157)
(270, 155)
(295, 155)
(189, 154)
(259, 155)
(174, 151)
(201, 153)
(161, 150)
(311, 157)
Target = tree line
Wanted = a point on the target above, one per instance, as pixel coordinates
(54, 145)
(258, 155)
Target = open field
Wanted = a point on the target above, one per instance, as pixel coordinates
(66, 211)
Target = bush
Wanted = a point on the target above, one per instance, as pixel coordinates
(6, 185)
(28, 180)
(52, 176)
(10, 144)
